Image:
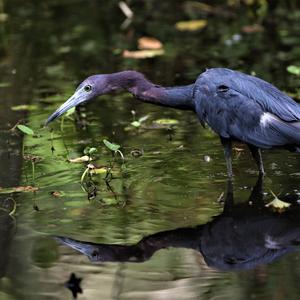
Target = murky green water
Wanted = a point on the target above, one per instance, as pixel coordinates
(47, 47)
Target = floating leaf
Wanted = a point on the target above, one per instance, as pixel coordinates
(81, 159)
(140, 54)
(93, 150)
(56, 194)
(277, 204)
(111, 146)
(90, 150)
(294, 70)
(102, 170)
(166, 122)
(27, 188)
(191, 25)
(33, 158)
(25, 129)
(136, 123)
(149, 43)
(99, 170)
(24, 107)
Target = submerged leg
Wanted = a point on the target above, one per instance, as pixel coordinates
(228, 155)
(228, 203)
(256, 197)
(256, 153)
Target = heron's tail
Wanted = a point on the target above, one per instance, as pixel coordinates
(286, 134)
(274, 132)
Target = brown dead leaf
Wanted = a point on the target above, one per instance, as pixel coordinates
(33, 158)
(27, 188)
(252, 28)
(56, 194)
(149, 43)
(81, 159)
(141, 54)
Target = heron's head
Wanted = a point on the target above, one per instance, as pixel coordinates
(90, 88)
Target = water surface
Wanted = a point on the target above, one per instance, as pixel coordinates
(47, 48)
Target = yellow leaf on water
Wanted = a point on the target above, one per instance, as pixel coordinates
(191, 25)
(141, 54)
(277, 204)
(102, 170)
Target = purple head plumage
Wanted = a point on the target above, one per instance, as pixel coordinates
(90, 88)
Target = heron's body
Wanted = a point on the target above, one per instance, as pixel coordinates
(235, 105)
(248, 109)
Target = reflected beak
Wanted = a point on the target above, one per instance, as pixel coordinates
(77, 98)
(82, 247)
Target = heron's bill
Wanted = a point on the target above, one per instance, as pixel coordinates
(73, 101)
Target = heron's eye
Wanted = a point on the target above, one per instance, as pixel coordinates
(88, 88)
(222, 88)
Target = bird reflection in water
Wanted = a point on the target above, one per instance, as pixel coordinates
(243, 236)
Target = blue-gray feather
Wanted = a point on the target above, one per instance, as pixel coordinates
(233, 103)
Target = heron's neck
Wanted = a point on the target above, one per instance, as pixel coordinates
(134, 82)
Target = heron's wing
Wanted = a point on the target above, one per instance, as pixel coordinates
(266, 95)
(269, 132)
(248, 122)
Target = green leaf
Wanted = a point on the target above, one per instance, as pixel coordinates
(136, 124)
(294, 70)
(90, 150)
(24, 107)
(166, 122)
(111, 146)
(25, 129)
(109, 201)
(70, 112)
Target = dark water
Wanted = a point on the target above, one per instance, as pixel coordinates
(160, 208)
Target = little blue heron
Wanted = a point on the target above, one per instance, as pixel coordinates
(237, 106)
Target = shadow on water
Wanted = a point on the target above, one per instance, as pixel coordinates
(243, 236)
(7, 232)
